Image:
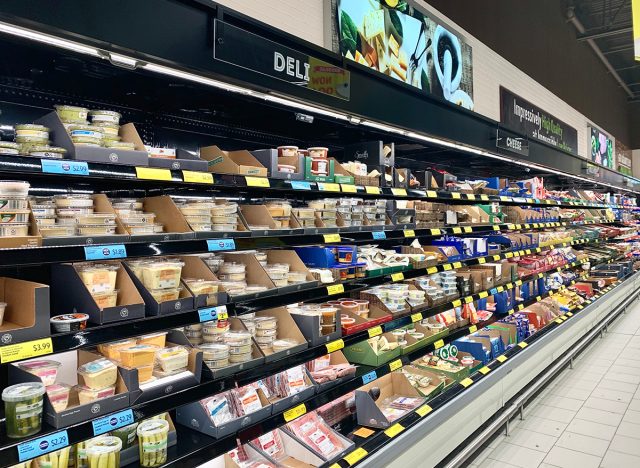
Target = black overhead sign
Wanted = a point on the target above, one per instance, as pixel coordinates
(248, 50)
(525, 118)
(511, 142)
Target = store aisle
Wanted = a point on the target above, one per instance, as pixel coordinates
(589, 417)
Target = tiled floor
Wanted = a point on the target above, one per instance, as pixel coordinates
(588, 417)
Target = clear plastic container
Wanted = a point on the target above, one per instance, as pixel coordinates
(72, 213)
(138, 355)
(105, 300)
(201, 227)
(86, 134)
(214, 351)
(59, 396)
(96, 230)
(98, 374)
(105, 116)
(152, 442)
(237, 338)
(145, 373)
(32, 133)
(69, 322)
(162, 274)
(127, 203)
(88, 395)
(98, 278)
(44, 369)
(73, 201)
(127, 435)
(195, 209)
(9, 148)
(266, 323)
(15, 203)
(104, 452)
(112, 350)
(14, 188)
(238, 358)
(122, 145)
(137, 229)
(202, 286)
(110, 130)
(57, 230)
(72, 114)
(283, 344)
(46, 151)
(165, 295)
(173, 358)
(97, 218)
(23, 409)
(154, 339)
(46, 221)
(138, 218)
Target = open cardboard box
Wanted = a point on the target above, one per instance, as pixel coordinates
(461, 373)
(375, 301)
(258, 215)
(175, 225)
(281, 404)
(101, 204)
(32, 239)
(391, 385)
(346, 445)
(269, 159)
(429, 337)
(70, 295)
(290, 257)
(335, 358)
(296, 454)
(241, 231)
(377, 316)
(61, 137)
(161, 386)
(311, 325)
(257, 356)
(435, 387)
(27, 314)
(195, 416)
(240, 162)
(195, 268)
(228, 461)
(287, 329)
(255, 275)
(75, 412)
(363, 353)
(184, 302)
(341, 175)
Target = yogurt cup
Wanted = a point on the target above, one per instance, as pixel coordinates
(69, 322)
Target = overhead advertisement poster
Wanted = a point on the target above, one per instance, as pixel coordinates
(528, 119)
(396, 39)
(623, 158)
(601, 146)
(635, 6)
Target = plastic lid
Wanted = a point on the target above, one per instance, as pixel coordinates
(50, 149)
(34, 365)
(31, 127)
(152, 335)
(172, 351)
(9, 144)
(92, 128)
(107, 112)
(99, 266)
(57, 389)
(95, 366)
(138, 348)
(75, 108)
(71, 318)
(152, 427)
(23, 391)
(105, 444)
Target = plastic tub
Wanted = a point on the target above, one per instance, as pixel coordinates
(59, 396)
(173, 358)
(14, 188)
(164, 295)
(286, 151)
(126, 434)
(9, 147)
(224, 219)
(138, 355)
(46, 151)
(106, 299)
(318, 152)
(281, 345)
(145, 373)
(98, 374)
(88, 395)
(217, 363)
(105, 116)
(45, 370)
(138, 218)
(97, 218)
(104, 452)
(152, 442)
(127, 203)
(98, 278)
(154, 339)
(57, 230)
(96, 229)
(140, 228)
(47, 221)
(112, 350)
(69, 322)
(238, 358)
(72, 213)
(11, 204)
(266, 323)
(202, 286)
(122, 145)
(86, 134)
(72, 114)
(214, 351)
(23, 409)
(162, 274)
(109, 129)
(73, 201)
(32, 133)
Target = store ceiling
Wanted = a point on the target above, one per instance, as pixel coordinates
(609, 24)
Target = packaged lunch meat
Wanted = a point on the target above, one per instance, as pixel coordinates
(397, 406)
(271, 444)
(246, 399)
(313, 431)
(218, 408)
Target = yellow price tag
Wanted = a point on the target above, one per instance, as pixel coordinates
(468, 300)
(456, 303)
(348, 188)
(26, 350)
(372, 190)
(511, 227)
(223, 315)
(471, 196)
(395, 365)
(355, 456)
(257, 182)
(328, 187)
(375, 331)
(435, 232)
(295, 412)
(528, 252)
(484, 197)
(432, 270)
(484, 370)
(483, 294)
(335, 289)
(455, 195)
(570, 314)
(457, 230)
(496, 258)
(467, 229)
(416, 317)
(508, 255)
(518, 226)
(397, 276)
(328, 238)
(496, 228)
(399, 192)
(473, 329)
(466, 382)
(394, 430)
(335, 346)
(152, 173)
(558, 321)
(501, 358)
(510, 312)
(523, 344)
(447, 267)
(502, 198)
(438, 344)
(482, 260)
(538, 298)
(432, 194)
(520, 306)
(424, 410)
(501, 289)
(457, 265)
(197, 177)
(409, 233)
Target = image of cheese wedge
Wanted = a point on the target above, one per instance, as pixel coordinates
(374, 24)
(394, 47)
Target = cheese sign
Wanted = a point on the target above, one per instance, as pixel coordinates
(369, 377)
(55, 166)
(26, 350)
(113, 421)
(329, 238)
(257, 182)
(335, 289)
(105, 252)
(220, 245)
(152, 173)
(335, 346)
(395, 365)
(41, 445)
(295, 412)
(197, 177)
(375, 331)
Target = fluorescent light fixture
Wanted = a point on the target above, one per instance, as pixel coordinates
(298, 105)
(196, 78)
(122, 60)
(384, 127)
(48, 39)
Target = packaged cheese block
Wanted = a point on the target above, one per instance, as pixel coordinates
(138, 355)
(394, 47)
(374, 24)
(98, 374)
(112, 350)
(170, 359)
(89, 395)
(395, 68)
(382, 55)
(98, 278)
(162, 274)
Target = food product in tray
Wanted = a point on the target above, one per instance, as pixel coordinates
(219, 408)
(173, 358)
(59, 396)
(89, 395)
(97, 277)
(246, 400)
(313, 431)
(98, 374)
(23, 405)
(271, 444)
(44, 369)
(396, 406)
(138, 355)
(161, 274)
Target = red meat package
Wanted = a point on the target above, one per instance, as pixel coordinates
(271, 444)
(313, 431)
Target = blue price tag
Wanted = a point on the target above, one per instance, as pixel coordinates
(55, 166)
(111, 422)
(370, 377)
(379, 235)
(300, 185)
(493, 292)
(105, 252)
(210, 313)
(41, 445)
(217, 245)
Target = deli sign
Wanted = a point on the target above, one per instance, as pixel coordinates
(253, 52)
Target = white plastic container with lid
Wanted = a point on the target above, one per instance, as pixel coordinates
(104, 452)
(23, 405)
(98, 374)
(14, 188)
(98, 278)
(173, 358)
(73, 201)
(152, 442)
(44, 369)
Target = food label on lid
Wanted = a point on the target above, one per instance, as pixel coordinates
(105, 252)
(26, 350)
(50, 166)
(218, 245)
(41, 445)
(113, 421)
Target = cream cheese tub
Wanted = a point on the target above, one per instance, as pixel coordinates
(31, 133)
(96, 218)
(98, 374)
(46, 151)
(18, 216)
(72, 114)
(69, 322)
(23, 405)
(17, 203)
(96, 230)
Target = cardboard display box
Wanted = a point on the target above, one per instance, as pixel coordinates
(335, 358)
(175, 225)
(341, 175)
(297, 454)
(240, 162)
(429, 337)
(308, 175)
(258, 215)
(70, 295)
(27, 314)
(371, 153)
(287, 329)
(346, 443)
(194, 267)
(436, 385)
(310, 327)
(376, 317)
(269, 158)
(76, 413)
(281, 404)
(363, 353)
(290, 257)
(255, 274)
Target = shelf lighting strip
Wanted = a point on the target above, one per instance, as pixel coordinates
(134, 63)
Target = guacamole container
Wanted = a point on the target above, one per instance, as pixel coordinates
(23, 409)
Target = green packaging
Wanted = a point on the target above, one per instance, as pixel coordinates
(23, 408)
